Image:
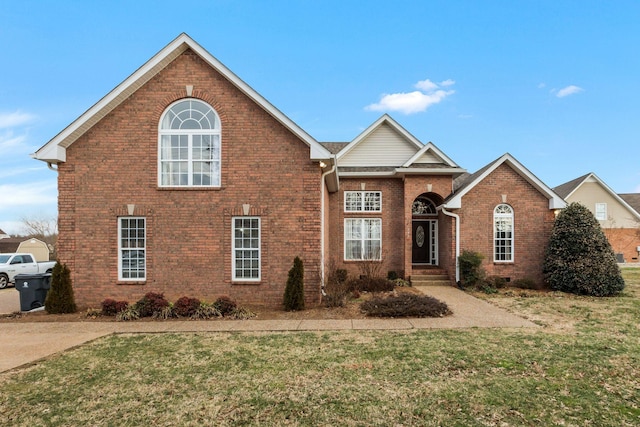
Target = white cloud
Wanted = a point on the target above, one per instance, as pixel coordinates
(569, 90)
(17, 118)
(417, 101)
(37, 193)
(542, 85)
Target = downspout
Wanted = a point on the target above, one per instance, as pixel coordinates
(457, 218)
(322, 207)
(50, 166)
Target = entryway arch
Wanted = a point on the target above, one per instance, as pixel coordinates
(424, 218)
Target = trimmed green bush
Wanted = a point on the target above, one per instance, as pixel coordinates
(294, 291)
(579, 258)
(370, 284)
(405, 305)
(471, 271)
(60, 298)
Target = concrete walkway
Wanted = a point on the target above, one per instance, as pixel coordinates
(24, 343)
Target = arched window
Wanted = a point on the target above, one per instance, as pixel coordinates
(189, 145)
(503, 233)
(423, 206)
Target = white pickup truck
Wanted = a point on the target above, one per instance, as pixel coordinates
(12, 264)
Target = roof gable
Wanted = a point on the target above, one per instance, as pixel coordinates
(430, 154)
(384, 143)
(54, 151)
(574, 186)
(467, 183)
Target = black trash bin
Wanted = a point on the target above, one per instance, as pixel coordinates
(33, 290)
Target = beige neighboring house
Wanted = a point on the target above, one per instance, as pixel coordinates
(617, 217)
(39, 249)
(4, 235)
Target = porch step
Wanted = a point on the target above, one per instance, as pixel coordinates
(438, 279)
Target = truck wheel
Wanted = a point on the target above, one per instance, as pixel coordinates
(4, 281)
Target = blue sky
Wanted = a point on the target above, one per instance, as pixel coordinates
(554, 83)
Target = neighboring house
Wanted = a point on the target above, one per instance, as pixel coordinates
(184, 180)
(4, 235)
(618, 218)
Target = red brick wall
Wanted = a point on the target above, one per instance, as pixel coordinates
(624, 241)
(392, 223)
(189, 230)
(533, 222)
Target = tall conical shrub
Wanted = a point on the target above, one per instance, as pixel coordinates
(60, 298)
(579, 258)
(294, 292)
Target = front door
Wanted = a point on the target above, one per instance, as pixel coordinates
(425, 241)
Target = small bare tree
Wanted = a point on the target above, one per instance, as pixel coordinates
(42, 228)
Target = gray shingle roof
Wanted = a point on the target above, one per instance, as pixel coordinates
(334, 147)
(633, 199)
(565, 189)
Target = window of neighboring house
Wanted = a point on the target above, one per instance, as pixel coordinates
(503, 233)
(132, 248)
(189, 145)
(362, 201)
(362, 239)
(601, 211)
(246, 248)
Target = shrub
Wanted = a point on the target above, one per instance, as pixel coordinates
(111, 307)
(392, 275)
(526, 283)
(241, 313)
(470, 265)
(164, 313)
(405, 305)
(151, 303)
(335, 288)
(579, 258)
(225, 305)
(370, 284)
(294, 291)
(496, 282)
(130, 313)
(206, 311)
(60, 298)
(186, 307)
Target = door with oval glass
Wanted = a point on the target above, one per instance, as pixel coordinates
(425, 242)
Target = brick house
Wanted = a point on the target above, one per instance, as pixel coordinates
(616, 214)
(184, 180)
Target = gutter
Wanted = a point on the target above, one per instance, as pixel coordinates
(322, 208)
(457, 218)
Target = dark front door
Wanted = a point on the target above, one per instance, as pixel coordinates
(424, 242)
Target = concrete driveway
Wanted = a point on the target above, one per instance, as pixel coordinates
(24, 343)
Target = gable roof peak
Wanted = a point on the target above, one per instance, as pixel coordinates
(54, 151)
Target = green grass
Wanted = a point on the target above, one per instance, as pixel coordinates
(581, 368)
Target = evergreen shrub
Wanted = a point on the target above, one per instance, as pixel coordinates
(60, 299)
(579, 258)
(294, 291)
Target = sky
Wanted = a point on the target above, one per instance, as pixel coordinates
(555, 83)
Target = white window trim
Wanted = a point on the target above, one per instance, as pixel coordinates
(233, 250)
(344, 240)
(121, 249)
(512, 239)
(190, 161)
(362, 203)
(601, 215)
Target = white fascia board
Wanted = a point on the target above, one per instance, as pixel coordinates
(72, 132)
(430, 146)
(51, 154)
(430, 171)
(366, 174)
(385, 118)
(555, 201)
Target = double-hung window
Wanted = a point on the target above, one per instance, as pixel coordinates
(362, 201)
(503, 233)
(601, 211)
(246, 248)
(189, 147)
(132, 248)
(362, 239)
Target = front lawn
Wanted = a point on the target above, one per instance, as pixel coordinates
(581, 368)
